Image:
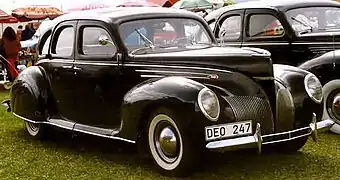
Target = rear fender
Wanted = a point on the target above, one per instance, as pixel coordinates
(29, 94)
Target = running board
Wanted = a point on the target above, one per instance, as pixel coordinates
(65, 125)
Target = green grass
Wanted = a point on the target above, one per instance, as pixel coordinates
(66, 156)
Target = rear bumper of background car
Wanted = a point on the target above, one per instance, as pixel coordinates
(257, 140)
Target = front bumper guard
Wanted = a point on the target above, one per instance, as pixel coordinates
(257, 140)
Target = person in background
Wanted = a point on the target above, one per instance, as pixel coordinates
(19, 32)
(27, 33)
(9, 48)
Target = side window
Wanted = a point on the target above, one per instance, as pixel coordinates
(65, 41)
(230, 29)
(264, 25)
(90, 44)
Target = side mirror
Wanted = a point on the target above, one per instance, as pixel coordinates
(104, 40)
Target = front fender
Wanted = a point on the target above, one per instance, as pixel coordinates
(291, 79)
(29, 94)
(175, 92)
(325, 67)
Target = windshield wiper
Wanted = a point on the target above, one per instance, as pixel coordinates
(304, 24)
(147, 43)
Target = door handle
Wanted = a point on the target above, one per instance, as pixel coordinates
(67, 67)
(77, 68)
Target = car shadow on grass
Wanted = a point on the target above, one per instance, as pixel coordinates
(243, 164)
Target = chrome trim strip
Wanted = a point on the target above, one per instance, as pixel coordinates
(43, 122)
(151, 65)
(105, 136)
(171, 72)
(287, 132)
(264, 78)
(314, 43)
(160, 76)
(73, 129)
(287, 139)
(265, 43)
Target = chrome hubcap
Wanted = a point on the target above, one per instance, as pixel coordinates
(336, 106)
(168, 142)
(33, 127)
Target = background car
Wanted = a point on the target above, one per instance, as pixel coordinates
(298, 33)
(106, 73)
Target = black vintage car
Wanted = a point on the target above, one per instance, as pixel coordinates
(157, 77)
(304, 33)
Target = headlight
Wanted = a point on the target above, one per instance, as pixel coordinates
(209, 104)
(313, 87)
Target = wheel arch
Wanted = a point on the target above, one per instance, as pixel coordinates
(171, 92)
(29, 94)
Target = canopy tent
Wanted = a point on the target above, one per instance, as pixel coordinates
(36, 12)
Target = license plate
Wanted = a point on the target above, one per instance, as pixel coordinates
(228, 130)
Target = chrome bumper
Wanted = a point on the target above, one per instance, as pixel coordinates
(257, 140)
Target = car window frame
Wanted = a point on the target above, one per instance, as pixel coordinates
(223, 17)
(42, 42)
(220, 27)
(55, 35)
(82, 24)
(250, 13)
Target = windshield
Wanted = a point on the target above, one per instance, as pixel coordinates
(158, 35)
(314, 19)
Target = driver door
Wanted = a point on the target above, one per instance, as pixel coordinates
(98, 80)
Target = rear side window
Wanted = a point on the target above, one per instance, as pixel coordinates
(264, 25)
(65, 41)
(90, 42)
(230, 29)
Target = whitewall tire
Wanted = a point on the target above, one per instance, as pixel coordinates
(169, 146)
(36, 130)
(331, 92)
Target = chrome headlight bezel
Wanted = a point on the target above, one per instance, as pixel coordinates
(207, 91)
(317, 85)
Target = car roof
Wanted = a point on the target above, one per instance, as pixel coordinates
(281, 5)
(120, 14)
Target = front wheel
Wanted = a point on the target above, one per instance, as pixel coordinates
(35, 130)
(332, 104)
(169, 143)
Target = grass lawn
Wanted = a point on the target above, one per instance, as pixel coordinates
(70, 156)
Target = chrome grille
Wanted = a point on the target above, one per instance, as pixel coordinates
(252, 108)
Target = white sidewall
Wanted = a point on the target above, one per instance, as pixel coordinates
(327, 89)
(164, 165)
(30, 130)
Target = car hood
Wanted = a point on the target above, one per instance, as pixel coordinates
(256, 62)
